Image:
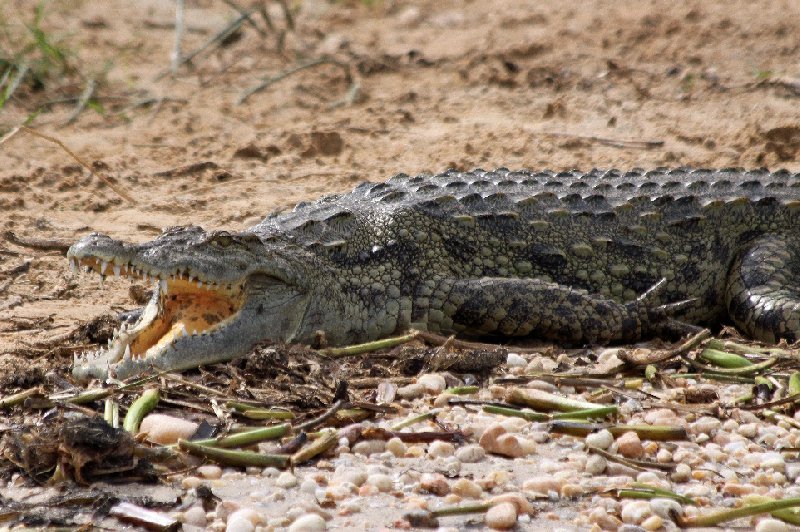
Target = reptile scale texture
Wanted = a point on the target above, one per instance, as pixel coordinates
(580, 258)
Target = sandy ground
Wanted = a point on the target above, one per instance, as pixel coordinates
(442, 84)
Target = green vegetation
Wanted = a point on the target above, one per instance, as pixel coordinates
(30, 56)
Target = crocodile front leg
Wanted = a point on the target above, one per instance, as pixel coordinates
(763, 291)
(532, 307)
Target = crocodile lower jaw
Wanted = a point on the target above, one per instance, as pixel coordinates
(184, 308)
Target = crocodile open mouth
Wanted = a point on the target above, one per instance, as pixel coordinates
(184, 306)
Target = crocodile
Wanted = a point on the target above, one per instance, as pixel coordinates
(600, 257)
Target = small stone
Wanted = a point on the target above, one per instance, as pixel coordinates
(239, 524)
(771, 525)
(243, 520)
(501, 516)
(191, 482)
(308, 486)
(210, 472)
(434, 483)
(164, 429)
(467, 489)
(515, 360)
(705, 425)
(286, 480)
(663, 456)
(381, 481)
(630, 446)
(369, 447)
(432, 382)
(595, 464)
(271, 472)
(653, 522)
(648, 477)
(666, 508)
(634, 512)
(601, 439)
(310, 522)
(748, 430)
(470, 454)
(411, 391)
(543, 484)
(441, 449)
(682, 473)
(396, 447)
(195, 516)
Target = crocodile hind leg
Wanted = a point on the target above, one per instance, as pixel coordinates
(523, 307)
(763, 290)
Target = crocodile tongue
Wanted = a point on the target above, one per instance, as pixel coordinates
(179, 310)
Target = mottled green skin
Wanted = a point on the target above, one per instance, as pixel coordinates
(562, 256)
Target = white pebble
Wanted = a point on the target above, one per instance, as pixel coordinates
(441, 449)
(470, 454)
(396, 447)
(308, 486)
(665, 508)
(634, 512)
(369, 447)
(381, 481)
(164, 429)
(653, 522)
(286, 480)
(210, 472)
(411, 391)
(195, 516)
(595, 464)
(239, 524)
(467, 488)
(432, 382)
(601, 439)
(771, 525)
(705, 425)
(501, 516)
(515, 360)
(191, 482)
(308, 523)
(243, 520)
(648, 477)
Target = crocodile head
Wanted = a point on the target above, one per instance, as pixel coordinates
(216, 295)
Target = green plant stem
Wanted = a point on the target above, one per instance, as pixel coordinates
(540, 400)
(327, 439)
(250, 437)
(19, 398)
(140, 408)
(475, 508)
(721, 516)
(233, 458)
(358, 349)
(416, 419)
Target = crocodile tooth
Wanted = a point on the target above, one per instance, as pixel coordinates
(162, 284)
(184, 332)
(194, 332)
(103, 267)
(199, 284)
(116, 271)
(127, 354)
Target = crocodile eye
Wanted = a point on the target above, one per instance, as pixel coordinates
(221, 240)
